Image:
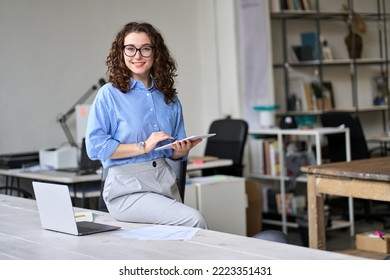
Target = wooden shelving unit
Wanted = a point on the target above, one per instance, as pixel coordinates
(316, 16)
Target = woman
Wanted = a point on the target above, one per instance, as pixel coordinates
(134, 113)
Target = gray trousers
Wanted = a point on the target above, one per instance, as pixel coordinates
(147, 193)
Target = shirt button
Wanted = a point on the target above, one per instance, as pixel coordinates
(151, 109)
(155, 125)
(148, 94)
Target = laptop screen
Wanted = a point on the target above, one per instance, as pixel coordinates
(55, 207)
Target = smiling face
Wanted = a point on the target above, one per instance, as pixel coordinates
(139, 65)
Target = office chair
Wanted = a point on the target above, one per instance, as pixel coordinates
(180, 168)
(228, 143)
(359, 148)
(101, 204)
(336, 142)
(272, 235)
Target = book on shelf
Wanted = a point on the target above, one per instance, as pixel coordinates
(310, 96)
(327, 95)
(297, 5)
(294, 204)
(256, 155)
(274, 6)
(265, 198)
(287, 202)
(290, 4)
(274, 159)
(264, 157)
(284, 4)
(310, 39)
(323, 95)
(306, 5)
(297, 89)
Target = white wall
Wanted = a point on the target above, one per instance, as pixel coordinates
(52, 51)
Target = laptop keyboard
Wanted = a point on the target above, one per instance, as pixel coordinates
(87, 226)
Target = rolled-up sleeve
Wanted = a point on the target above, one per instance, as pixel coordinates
(101, 124)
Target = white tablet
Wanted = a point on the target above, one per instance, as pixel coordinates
(193, 137)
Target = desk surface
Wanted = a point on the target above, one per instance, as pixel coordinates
(379, 138)
(51, 175)
(376, 169)
(192, 166)
(301, 131)
(71, 178)
(22, 238)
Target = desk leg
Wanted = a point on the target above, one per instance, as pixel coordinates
(315, 215)
(7, 184)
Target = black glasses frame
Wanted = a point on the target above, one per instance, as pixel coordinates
(138, 50)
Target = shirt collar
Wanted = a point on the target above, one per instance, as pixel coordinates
(140, 85)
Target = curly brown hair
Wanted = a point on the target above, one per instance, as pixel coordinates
(163, 70)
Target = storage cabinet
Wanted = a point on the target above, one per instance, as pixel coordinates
(222, 201)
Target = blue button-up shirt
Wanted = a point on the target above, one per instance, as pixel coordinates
(127, 118)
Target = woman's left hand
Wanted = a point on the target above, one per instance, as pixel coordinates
(181, 148)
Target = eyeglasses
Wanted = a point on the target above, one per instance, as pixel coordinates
(145, 51)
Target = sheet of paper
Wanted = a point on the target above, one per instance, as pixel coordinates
(83, 216)
(159, 232)
(193, 137)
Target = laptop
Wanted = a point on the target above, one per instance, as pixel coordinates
(87, 166)
(56, 211)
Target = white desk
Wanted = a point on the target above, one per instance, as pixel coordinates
(86, 186)
(383, 141)
(80, 186)
(51, 175)
(21, 237)
(72, 178)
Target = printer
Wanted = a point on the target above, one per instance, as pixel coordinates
(63, 157)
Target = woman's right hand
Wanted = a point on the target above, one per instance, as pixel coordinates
(154, 139)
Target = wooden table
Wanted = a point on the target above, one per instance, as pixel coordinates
(21, 237)
(366, 179)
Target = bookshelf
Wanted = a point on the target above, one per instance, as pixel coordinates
(320, 19)
(281, 177)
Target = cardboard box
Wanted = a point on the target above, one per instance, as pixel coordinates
(255, 207)
(368, 241)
